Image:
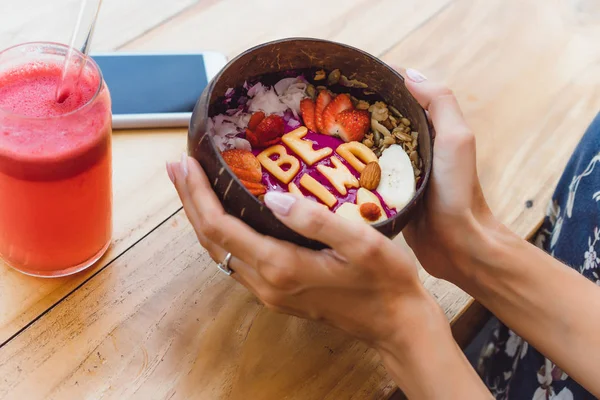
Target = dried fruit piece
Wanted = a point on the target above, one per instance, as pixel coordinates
(307, 110)
(352, 125)
(370, 211)
(320, 75)
(370, 176)
(256, 119)
(255, 188)
(323, 101)
(247, 168)
(342, 102)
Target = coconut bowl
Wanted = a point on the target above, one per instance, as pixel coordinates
(300, 54)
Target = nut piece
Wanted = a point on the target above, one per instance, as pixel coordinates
(370, 176)
(334, 77)
(370, 211)
(379, 111)
(320, 75)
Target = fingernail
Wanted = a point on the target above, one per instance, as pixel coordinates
(170, 173)
(184, 164)
(415, 75)
(280, 203)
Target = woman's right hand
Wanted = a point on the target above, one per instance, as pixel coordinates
(454, 207)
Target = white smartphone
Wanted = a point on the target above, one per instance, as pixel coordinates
(156, 90)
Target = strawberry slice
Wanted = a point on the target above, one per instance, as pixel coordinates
(341, 103)
(307, 109)
(256, 119)
(352, 125)
(270, 129)
(323, 101)
(251, 137)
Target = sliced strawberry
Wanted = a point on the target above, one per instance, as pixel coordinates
(251, 137)
(352, 125)
(323, 101)
(307, 109)
(269, 129)
(256, 119)
(342, 102)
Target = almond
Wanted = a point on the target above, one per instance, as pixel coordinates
(370, 176)
(370, 211)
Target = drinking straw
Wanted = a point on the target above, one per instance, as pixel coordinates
(81, 39)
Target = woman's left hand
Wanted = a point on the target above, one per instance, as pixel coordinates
(365, 285)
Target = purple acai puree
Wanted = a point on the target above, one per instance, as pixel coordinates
(320, 141)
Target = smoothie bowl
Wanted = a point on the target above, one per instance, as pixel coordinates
(319, 120)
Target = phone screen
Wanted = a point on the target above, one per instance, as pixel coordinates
(161, 83)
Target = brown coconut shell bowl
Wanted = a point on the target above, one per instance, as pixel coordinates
(300, 54)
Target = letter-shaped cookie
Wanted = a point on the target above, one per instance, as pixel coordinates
(339, 176)
(275, 166)
(304, 148)
(312, 185)
(295, 190)
(357, 154)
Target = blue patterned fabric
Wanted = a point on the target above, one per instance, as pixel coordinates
(571, 233)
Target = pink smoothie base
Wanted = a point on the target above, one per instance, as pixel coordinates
(320, 141)
(37, 134)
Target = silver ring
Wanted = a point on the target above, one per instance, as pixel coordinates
(224, 266)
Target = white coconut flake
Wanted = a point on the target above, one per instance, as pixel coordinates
(229, 92)
(242, 144)
(293, 95)
(284, 84)
(256, 89)
(266, 101)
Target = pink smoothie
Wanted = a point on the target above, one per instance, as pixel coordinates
(55, 170)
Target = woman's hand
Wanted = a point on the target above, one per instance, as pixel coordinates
(454, 207)
(365, 286)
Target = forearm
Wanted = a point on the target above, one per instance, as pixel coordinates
(429, 364)
(550, 305)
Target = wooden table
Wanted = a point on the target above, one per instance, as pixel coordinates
(155, 320)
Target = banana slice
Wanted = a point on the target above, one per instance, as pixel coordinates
(397, 184)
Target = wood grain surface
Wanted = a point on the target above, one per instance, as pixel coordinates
(154, 320)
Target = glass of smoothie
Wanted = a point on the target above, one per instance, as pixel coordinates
(55, 163)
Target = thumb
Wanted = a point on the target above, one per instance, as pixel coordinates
(445, 113)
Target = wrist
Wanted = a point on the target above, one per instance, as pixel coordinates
(417, 312)
(483, 241)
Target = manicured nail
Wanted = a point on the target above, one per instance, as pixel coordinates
(280, 203)
(170, 173)
(415, 75)
(184, 164)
